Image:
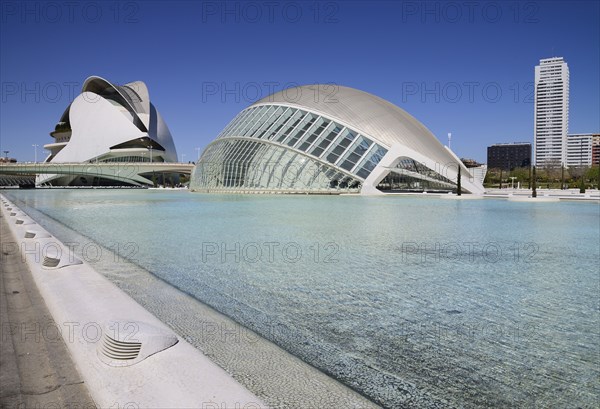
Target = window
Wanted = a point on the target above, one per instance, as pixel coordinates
(347, 138)
(307, 122)
(370, 161)
(358, 149)
(320, 125)
(325, 142)
(275, 115)
(298, 116)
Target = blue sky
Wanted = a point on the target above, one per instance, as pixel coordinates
(460, 67)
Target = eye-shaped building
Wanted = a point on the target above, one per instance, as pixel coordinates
(328, 139)
(108, 123)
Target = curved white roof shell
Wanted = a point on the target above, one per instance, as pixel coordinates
(381, 120)
(134, 94)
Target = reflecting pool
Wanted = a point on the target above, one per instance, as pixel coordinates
(407, 300)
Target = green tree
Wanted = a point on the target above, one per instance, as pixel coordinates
(521, 174)
(593, 175)
(491, 177)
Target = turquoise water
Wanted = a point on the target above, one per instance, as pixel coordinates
(467, 303)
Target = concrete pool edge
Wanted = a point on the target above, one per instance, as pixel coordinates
(84, 303)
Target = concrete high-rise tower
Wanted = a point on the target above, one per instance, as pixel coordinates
(551, 123)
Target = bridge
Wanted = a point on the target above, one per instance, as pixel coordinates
(128, 172)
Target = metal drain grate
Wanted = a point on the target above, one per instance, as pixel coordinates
(38, 234)
(24, 220)
(50, 262)
(127, 342)
(119, 350)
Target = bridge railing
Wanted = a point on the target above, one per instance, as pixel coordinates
(166, 164)
(123, 170)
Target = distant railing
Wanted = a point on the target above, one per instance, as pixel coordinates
(119, 170)
(99, 163)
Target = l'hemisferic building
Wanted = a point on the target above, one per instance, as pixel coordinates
(311, 139)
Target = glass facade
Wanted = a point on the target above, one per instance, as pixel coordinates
(410, 175)
(281, 148)
(236, 164)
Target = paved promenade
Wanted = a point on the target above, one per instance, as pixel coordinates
(36, 370)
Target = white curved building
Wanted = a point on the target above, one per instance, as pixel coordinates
(328, 139)
(108, 123)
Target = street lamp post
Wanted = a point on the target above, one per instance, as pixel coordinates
(582, 182)
(198, 156)
(182, 156)
(512, 182)
(35, 146)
